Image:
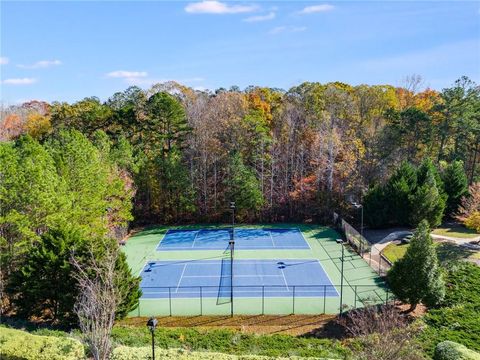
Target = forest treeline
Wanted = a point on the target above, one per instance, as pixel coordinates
(182, 155)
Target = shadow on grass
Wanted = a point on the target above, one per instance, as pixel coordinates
(447, 252)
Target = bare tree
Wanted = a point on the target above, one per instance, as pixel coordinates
(383, 332)
(97, 301)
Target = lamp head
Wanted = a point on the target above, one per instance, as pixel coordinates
(152, 324)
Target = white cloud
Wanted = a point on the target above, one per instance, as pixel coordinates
(217, 7)
(3, 60)
(256, 18)
(127, 74)
(41, 64)
(316, 9)
(287, 29)
(19, 81)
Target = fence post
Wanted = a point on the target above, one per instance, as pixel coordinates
(293, 294)
(386, 297)
(324, 297)
(201, 301)
(355, 301)
(139, 302)
(263, 299)
(170, 299)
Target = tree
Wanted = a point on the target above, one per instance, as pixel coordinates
(456, 186)
(376, 207)
(45, 286)
(470, 203)
(427, 203)
(398, 189)
(107, 291)
(243, 187)
(47, 283)
(417, 276)
(165, 125)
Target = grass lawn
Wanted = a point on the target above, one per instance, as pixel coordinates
(446, 252)
(393, 252)
(456, 232)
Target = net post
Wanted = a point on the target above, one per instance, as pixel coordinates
(170, 299)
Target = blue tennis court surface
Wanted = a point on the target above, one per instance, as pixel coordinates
(245, 239)
(251, 278)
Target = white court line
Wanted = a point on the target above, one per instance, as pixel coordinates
(303, 237)
(227, 276)
(238, 261)
(181, 276)
(271, 238)
(284, 279)
(195, 238)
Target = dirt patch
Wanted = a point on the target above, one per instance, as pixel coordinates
(253, 324)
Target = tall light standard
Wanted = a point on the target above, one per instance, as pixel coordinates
(232, 247)
(152, 324)
(340, 241)
(360, 206)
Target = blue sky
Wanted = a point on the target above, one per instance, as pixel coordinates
(69, 50)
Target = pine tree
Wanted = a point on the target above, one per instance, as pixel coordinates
(376, 207)
(243, 187)
(398, 188)
(456, 186)
(44, 285)
(427, 203)
(417, 276)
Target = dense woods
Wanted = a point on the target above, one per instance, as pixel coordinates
(282, 155)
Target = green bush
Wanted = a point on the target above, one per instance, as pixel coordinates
(230, 342)
(144, 353)
(459, 320)
(449, 350)
(20, 345)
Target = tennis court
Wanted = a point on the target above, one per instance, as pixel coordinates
(186, 271)
(245, 239)
(251, 278)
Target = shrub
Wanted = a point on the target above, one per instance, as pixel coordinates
(449, 350)
(144, 353)
(230, 342)
(16, 344)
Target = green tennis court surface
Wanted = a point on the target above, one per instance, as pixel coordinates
(260, 287)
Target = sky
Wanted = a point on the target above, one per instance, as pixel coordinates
(67, 50)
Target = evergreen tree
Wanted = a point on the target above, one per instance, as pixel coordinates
(398, 189)
(417, 276)
(166, 124)
(456, 186)
(44, 285)
(243, 187)
(31, 198)
(376, 207)
(427, 203)
(128, 286)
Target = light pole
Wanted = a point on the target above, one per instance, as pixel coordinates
(232, 247)
(340, 241)
(360, 206)
(152, 324)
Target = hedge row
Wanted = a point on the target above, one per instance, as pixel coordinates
(144, 353)
(449, 350)
(16, 345)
